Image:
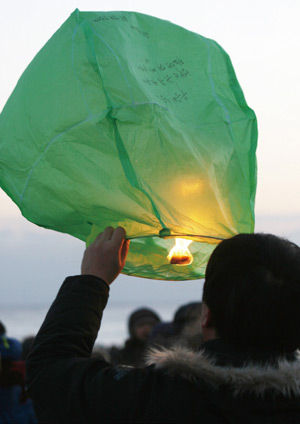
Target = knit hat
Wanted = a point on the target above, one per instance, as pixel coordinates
(140, 317)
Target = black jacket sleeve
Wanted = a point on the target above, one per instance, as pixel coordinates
(68, 386)
(65, 383)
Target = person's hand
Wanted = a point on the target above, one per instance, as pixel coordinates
(106, 256)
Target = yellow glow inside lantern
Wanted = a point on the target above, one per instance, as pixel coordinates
(180, 254)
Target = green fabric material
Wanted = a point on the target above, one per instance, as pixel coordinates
(126, 119)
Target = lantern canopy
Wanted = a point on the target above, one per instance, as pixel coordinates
(126, 119)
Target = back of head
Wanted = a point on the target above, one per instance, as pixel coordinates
(2, 328)
(187, 314)
(252, 287)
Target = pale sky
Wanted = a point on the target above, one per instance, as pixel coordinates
(262, 38)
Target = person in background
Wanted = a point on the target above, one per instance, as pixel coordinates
(187, 324)
(247, 370)
(184, 330)
(2, 329)
(15, 406)
(140, 324)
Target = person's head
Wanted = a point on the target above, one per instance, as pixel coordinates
(187, 315)
(2, 328)
(141, 322)
(187, 325)
(251, 292)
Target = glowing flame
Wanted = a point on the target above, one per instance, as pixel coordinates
(180, 254)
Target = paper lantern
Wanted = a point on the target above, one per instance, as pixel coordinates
(126, 119)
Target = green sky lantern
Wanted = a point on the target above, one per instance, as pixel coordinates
(126, 119)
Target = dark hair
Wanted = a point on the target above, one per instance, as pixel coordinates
(2, 328)
(252, 287)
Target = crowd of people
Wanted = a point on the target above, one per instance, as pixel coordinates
(232, 358)
(146, 330)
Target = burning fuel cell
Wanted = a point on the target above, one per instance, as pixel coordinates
(180, 254)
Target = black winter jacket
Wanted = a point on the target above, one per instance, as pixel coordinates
(215, 385)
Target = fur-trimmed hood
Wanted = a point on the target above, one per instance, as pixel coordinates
(282, 377)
